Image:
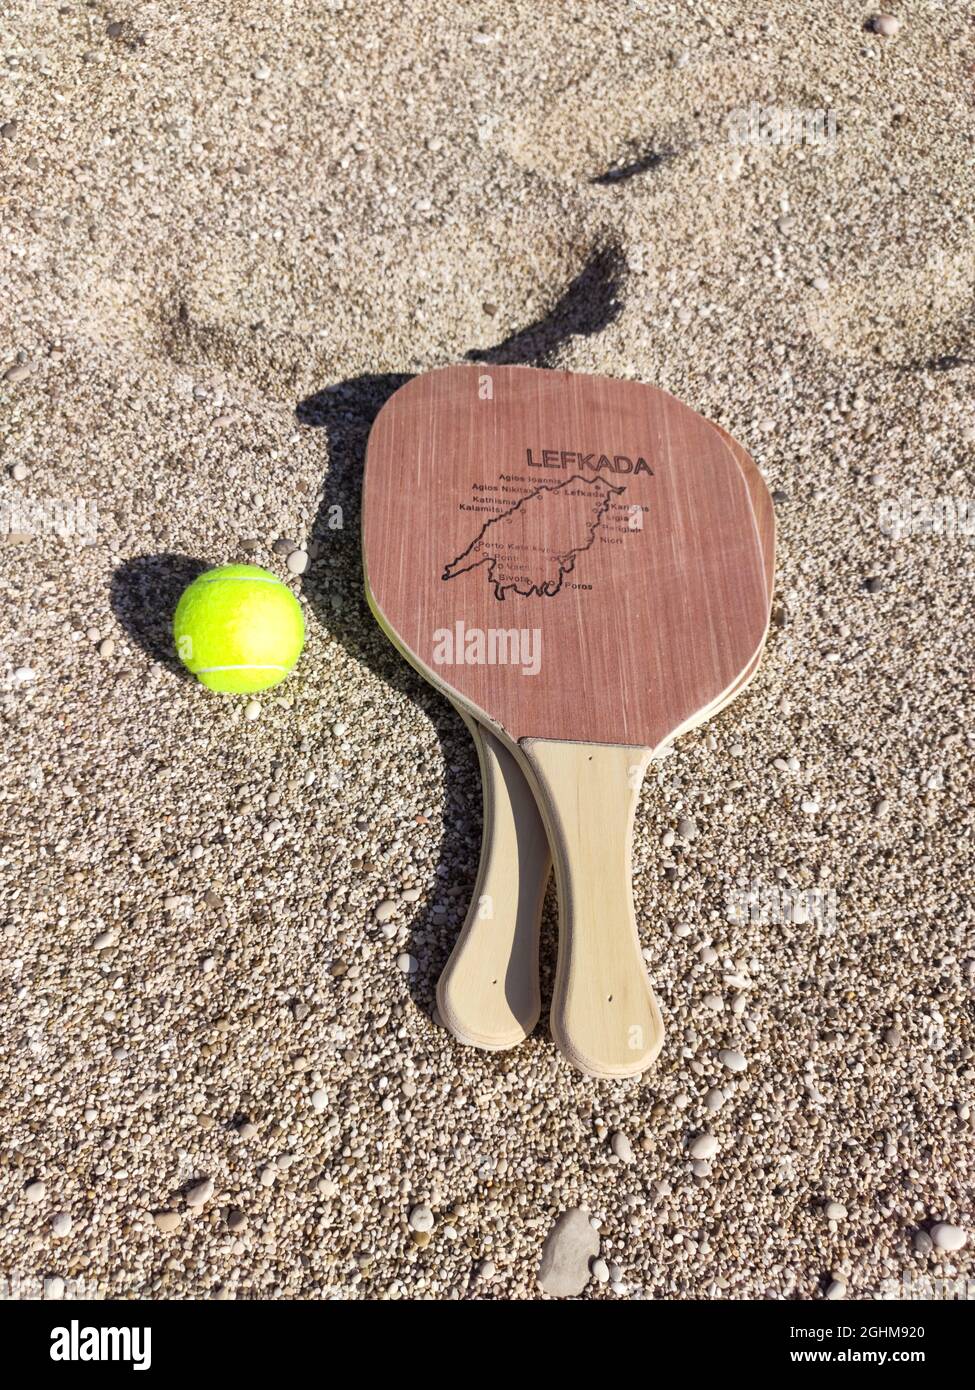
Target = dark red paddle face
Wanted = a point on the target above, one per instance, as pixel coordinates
(575, 558)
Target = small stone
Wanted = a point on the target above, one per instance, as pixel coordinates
(731, 1059)
(714, 1099)
(269, 1176)
(106, 647)
(705, 1146)
(421, 1238)
(687, 828)
(836, 1291)
(8, 130)
(880, 808)
(874, 584)
(714, 1002)
(621, 1147)
(35, 1191)
(886, 25)
(421, 1219)
(945, 1236)
(600, 1271)
(569, 1246)
(283, 546)
(297, 561)
(167, 1221)
(386, 909)
(820, 283)
(104, 939)
(236, 1220)
(246, 1130)
(20, 372)
(486, 1271)
(201, 1193)
(407, 963)
(252, 710)
(54, 1286)
(922, 1243)
(893, 1037)
(339, 728)
(61, 1224)
(19, 472)
(835, 1211)
(319, 1100)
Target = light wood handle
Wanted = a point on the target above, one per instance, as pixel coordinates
(605, 1018)
(488, 994)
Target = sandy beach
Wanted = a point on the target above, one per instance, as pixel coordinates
(227, 234)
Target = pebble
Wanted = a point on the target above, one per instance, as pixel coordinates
(835, 1211)
(167, 1221)
(19, 373)
(421, 1219)
(880, 808)
(236, 1220)
(705, 1146)
(61, 1224)
(421, 1238)
(945, 1236)
(893, 1037)
(687, 828)
(407, 963)
(714, 1002)
(247, 1130)
(106, 647)
(621, 1147)
(19, 472)
(600, 1271)
(922, 1243)
(732, 1060)
(8, 130)
(714, 1099)
(283, 546)
(252, 710)
(200, 1193)
(887, 25)
(319, 1100)
(104, 939)
(386, 909)
(35, 1191)
(54, 1286)
(486, 1271)
(836, 1290)
(297, 561)
(569, 1246)
(874, 584)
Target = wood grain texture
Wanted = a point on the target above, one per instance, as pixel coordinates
(488, 994)
(605, 1018)
(487, 952)
(650, 601)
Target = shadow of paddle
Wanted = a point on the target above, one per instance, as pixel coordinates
(335, 591)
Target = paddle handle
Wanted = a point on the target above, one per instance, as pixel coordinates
(605, 1018)
(488, 994)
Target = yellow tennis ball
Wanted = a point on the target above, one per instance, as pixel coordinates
(238, 628)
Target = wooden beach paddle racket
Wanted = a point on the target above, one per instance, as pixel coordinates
(488, 993)
(576, 563)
